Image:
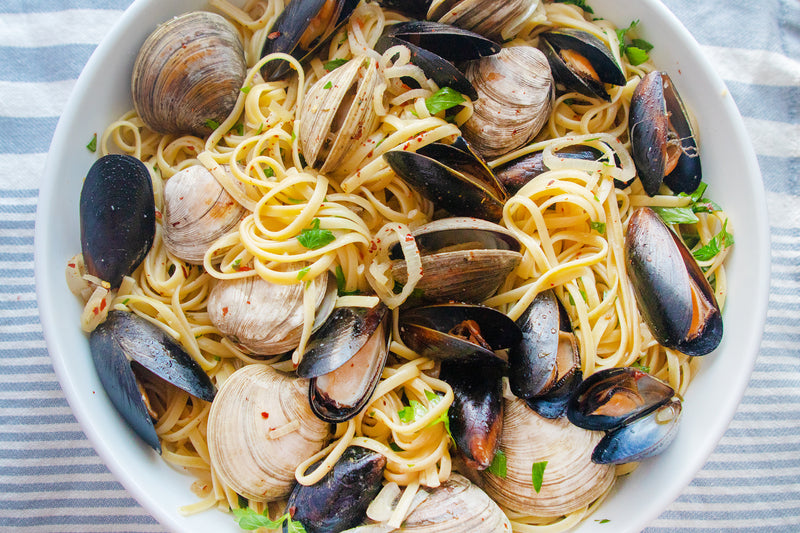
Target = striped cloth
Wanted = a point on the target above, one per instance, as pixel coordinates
(51, 480)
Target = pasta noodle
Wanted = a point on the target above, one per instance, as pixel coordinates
(364, 203)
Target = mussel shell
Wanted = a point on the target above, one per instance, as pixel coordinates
(188, 72)
(426, 331)
(117, 217)
(124, 340)
(340, 499)
(476, 414)
(656, 108)
(292, 23)
(415, 9)
(446, 41)
(613, 397)
(553, 403)
(665, 275)
(644, 437)
(593, 50)
(517, 172)
(532, 361)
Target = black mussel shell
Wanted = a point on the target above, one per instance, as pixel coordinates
(446, 41)
(480, 238)
(673, 296)
(452, 178)
(532, 366)
(117, 217)
(613, 397)
(517, 172)
(441, 331)
(441, 71)
(596, 67)
(416, 9)
(287, 35)
(553, 403)
(339, 500)
(476, 414)
(660, 132)
(124, 342)
(642, 438)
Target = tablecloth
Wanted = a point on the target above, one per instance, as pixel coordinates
(52, 480)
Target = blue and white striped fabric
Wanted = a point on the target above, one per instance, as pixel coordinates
(51, 480)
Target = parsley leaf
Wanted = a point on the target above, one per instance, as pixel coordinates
(333, 64)
(239, 129)
(302, 272)
(92, 146)
(249, 519)
(600, 227)
(444, 98)
(327, 85)
(602, 521)
(621, 35)
(637, 365)
(642, 44)
(676, 215)
(341, 283)
(313, 238)
(580, 3)
(246, 89)
(498, 466)
(537, 475)
(412, 412)
(721, 240)
(211, 124)
(636, 55)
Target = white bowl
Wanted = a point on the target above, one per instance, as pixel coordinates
(103, 93)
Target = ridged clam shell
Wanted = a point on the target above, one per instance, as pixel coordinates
(571, 480)
(476, 16)
(188, 71)
(197, 211)
(253, 401)
(516, 91)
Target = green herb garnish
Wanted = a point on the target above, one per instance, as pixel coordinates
(341, 283)
(239, 129)
(246, 89)
(412, 412)
(636, 55)
(443, 99)
(676, 215)
(333, 64)
(92, 146)
(641, 367)
(395, 448)
(249, 519)
(125, 301)
(498, 466)
(721, 240)
(236, 265)
(637, 51)
(314, 238)
(302, 272)
(600, 227)
(580, 3)
(211, 124)
(327, 85)
(260, 129)
(537, 475)
(603, 521)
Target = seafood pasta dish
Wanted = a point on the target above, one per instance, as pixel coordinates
(426, 265)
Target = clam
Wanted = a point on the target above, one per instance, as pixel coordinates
(570, 480)
(266, 318)
(581, 62)
(673, 296)
(260, 428)
(463, 259)
(340, 499)
(663, 143)
(301, 29)
(344, 359)
(498, 21)
(516, 91)
(197, 211)
(117, 217)
(126, 347)
(517, 172)
(188, 73)
(639, 412)
(336, 113)
(452, 176)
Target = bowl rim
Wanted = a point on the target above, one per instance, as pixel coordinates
(51, 321)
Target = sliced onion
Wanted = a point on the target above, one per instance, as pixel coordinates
(379, 272)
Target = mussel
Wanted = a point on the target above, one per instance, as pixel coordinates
(340, 499)
(640, 413)
(663, 143)
(117, 217)
(126, 348)
(463, 259)
(260, 428)
(581, 62)
(188, 73)
(673, 295)
(517, 172)
(516, 93)
(344, 360)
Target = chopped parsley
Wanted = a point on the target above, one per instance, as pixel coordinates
(602, 520)
(333, 64)
(395, 448)
(721, 240)
(92, 146)
(686, 215)
(246, 89)
(637, 51)
(341, 283)
(302, 272)
(237, 265)
(412, 412)
(211, 124)
(443, 99)
(327, 85)
(580, 3)
(638, 366)
(239, 129)
(313, 237)
(537, 475)
(260, 129)
(249, 519)
(498, 466)
(600, 227)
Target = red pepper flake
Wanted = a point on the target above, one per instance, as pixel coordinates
(224, 311)
(185, 272)
(102, 304)
(158, 214)
(95, 311)
(409, 237)
(549, 183)
(244, 269)
(273, 35)
(264, 415)
(71, 265)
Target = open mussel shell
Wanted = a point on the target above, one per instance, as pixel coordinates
(463, 259)
(663, 143)
(570, 480)
(117, 217)
(446, 41)
(614, 396)
(641, 438)
(260, 428)
(458, 332)
(188, 73)
(476, 414)
(581, 62)
(415, 9)
(518, 172)
(126, 344)
(673, 296)
(340, 499)
(453, 177)
(344, 360)
(301, 29)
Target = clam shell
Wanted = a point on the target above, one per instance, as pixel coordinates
(571, 480)
(188, 71)
(477, 16)
(252, 402)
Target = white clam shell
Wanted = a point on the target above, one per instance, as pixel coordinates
(475, 15)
